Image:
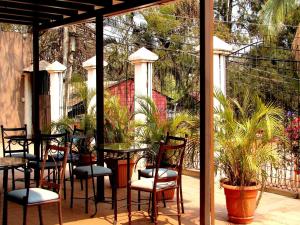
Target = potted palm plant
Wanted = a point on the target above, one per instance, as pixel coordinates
(244, 135)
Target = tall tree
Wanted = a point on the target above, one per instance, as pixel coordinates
(274, 13)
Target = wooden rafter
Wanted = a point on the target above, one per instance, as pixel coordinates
(47, 14)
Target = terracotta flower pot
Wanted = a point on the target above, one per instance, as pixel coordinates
(122, 172)
(169, 195)
(240, 202)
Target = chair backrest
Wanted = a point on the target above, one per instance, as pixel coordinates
(78, 145)
(171, 157)
(53, 139)
(8, 135)
(78, 131)
(57, 171)
(174, 140)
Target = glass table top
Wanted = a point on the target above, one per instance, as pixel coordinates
(12, 161)
(124, 147)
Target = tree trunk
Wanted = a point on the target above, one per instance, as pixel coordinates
(69, 43)
(229, 13)
(65, 62)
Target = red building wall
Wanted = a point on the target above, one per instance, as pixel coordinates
(120, 90)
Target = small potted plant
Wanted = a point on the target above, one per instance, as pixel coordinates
(244, 135)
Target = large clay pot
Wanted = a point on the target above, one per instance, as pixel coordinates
(240, 202)
(122, 172)
(169, 195)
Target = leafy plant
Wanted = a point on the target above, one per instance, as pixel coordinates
(245, 133)
(118, 125)
(155, 128)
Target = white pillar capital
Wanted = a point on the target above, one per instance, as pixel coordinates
(142, 55)
(55, 67)
(90, 66)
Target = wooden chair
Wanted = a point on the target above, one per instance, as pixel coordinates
(150, 172)
(164, 178)
(50, 139)
(48, 190)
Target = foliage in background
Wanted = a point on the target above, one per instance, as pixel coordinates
(155, 128)
(274, 13)
(244, 132)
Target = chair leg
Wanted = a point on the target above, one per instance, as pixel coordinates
(164, 199)
(154, 207)
(114, 198)
(129, 207)
(86, 196)
(40, 215)
(149, 206)
(178, 205)
(181, 197)
(95, 197)
(13, 178)
(81, 184)
(72, 191)
(48, 175)
(70, 169)
(59, 212)
(24, 214)
(139, 193)
(65, 188)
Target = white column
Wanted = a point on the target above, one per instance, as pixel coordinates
(28, 102)
(221, 50)
(56, 70)
(142, 60)
(90, 66)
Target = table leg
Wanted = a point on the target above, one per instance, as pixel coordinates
(100, 189)
(128, 178)
(5, 178)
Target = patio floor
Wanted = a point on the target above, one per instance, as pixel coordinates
(273, 210)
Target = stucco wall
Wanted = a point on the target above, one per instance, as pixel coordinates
(15, 51)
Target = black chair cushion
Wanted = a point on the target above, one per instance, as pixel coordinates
(162, 172)
(84, 171)
(48, 165)
(21, 155)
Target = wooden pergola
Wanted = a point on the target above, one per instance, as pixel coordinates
(46, 14)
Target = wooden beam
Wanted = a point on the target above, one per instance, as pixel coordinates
(15, 22)
(99, 101)
(79, 5)
(29, 19)
(95, 2)
(29, 13)
(105, 12)
(206, 113)
(36, 8)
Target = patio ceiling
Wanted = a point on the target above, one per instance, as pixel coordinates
(46, 14)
